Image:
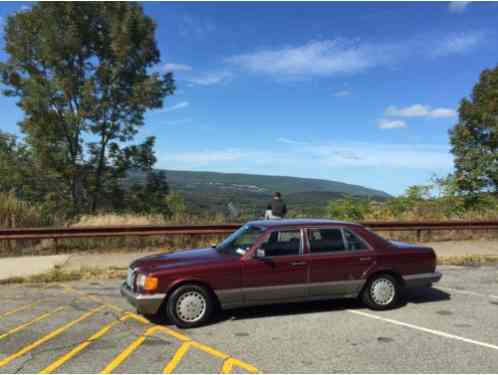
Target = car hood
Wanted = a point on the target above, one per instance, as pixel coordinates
(180, 258)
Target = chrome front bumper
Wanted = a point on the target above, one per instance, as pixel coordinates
(145, 303)
(422, 279)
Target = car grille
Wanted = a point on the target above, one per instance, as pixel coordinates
(130, 278)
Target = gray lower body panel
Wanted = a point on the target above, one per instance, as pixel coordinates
(145, 304)
(422, 279)
(233, 298)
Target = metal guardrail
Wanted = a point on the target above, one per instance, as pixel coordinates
(219, 229)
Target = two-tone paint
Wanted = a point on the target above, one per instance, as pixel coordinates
(248, 280)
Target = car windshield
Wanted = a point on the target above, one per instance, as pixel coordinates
(240, 241)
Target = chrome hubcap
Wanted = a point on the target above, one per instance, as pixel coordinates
(191, 306)
(382, 291)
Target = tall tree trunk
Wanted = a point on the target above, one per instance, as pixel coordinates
(98, 174)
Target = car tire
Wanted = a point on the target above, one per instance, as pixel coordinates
(382, 292)
(190, 306)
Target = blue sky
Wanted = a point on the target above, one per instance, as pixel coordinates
(363, 93)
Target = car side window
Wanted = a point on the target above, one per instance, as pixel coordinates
(326, 240)
(281, 243)
(354, 242)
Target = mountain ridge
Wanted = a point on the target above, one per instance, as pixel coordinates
(284, 184)
(217, 192)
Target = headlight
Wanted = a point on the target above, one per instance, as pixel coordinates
(145, 282)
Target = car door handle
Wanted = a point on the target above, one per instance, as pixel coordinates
(365, 259)
(294, 264)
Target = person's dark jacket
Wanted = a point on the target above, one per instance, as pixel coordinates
(278, 207)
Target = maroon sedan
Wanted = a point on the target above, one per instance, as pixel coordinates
(266, 262)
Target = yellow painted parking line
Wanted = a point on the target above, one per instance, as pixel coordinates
(209, 350)
(180, 353)
(154, 329)
(66, 357)
(121, 357)
(20, 308)
(231, 362)
(48, 337)
(92, 298)
(187, 342)
(32, 321)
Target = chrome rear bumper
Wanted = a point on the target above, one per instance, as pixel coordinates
(145, 303)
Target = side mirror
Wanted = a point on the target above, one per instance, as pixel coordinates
(260, 253)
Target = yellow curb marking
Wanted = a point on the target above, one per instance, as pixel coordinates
(32, 321)
(48, 337)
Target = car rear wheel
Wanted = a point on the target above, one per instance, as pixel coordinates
(189, 306)
(381, 292)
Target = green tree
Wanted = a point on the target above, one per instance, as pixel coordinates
(176, 203)
(474, 139)
(348, 208)
(83, 73)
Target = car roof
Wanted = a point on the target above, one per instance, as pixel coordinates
(297, 222)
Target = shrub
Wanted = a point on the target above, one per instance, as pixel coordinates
(15, 213)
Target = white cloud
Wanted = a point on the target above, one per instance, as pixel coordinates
(196, 27)
(458, 6)
(175, 107)
(341, 56)
(172, 67)
(343, 93)
(179, 122)
(212, 78)
(315, 58)
(443, 112)
(24, 8)
(385, 155)
(419, 110)
(458, 43)
(200, 158)
(290, 141)
(391, 124)
(318, 155)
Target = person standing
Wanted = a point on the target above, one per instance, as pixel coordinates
(277, 209)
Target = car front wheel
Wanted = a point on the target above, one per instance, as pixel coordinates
(189, 306)
(381, 292)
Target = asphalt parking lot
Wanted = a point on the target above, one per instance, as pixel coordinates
(85, 327)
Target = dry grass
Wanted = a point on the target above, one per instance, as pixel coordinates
(468, 260)
(129, 219)
(60, 275)
(15, 213)
(141, 243)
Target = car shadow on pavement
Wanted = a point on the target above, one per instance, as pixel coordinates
(409, 295)
(415, 295)
(424, 295)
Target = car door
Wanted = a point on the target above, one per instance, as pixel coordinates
(282, 274)
(339, 259)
